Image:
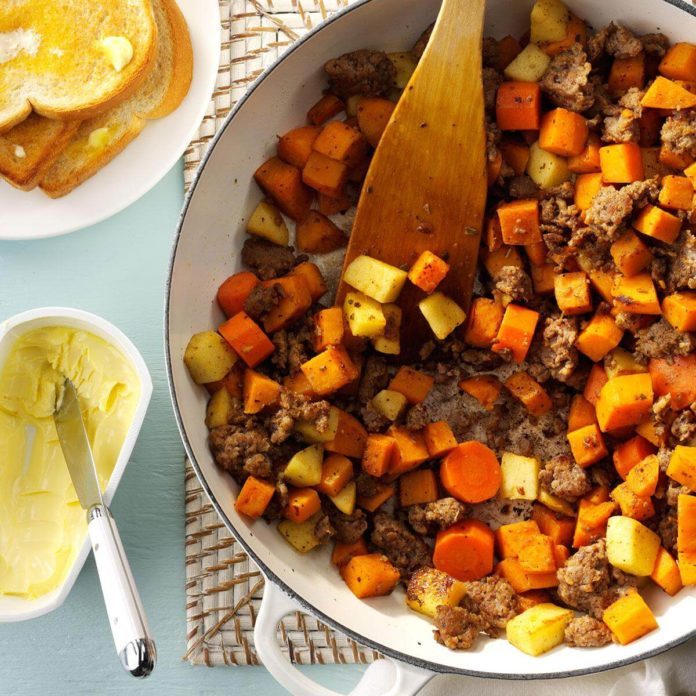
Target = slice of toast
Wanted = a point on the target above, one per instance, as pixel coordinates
(99, 140)
(29, 149)
(54, 61)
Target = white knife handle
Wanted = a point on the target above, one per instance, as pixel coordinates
(127, 619)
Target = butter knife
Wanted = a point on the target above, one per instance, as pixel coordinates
(129, 628)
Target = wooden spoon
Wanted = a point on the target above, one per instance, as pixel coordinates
(426, 186)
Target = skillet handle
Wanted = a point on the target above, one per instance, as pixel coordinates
(382, 678)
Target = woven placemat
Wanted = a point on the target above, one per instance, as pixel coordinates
(223, 587)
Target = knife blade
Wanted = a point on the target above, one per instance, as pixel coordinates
(76, 448)
(127, 619)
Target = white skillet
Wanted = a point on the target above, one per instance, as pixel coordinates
(207, 250)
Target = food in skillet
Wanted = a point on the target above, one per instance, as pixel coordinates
(537, 464)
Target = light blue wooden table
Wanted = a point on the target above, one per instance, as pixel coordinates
(117, 269)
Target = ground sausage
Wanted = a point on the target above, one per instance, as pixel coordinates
(655, 44)
(515, 283)
(522, 187)
(266, 259)
(566, 80)
(297, 407)
(494, 600)
(683, 428)
(348, 528)
(456, 628)
(365, 72)
(262, 299)
(621, 43)
(562, 477)
(403, 548)
(439, 514)
(586, 632)
(622, 123)
(661, 340)
(374, 378)
(558, 353)
(679, 132)
(241, 448)
(682, 269)
(292, 348)
(586, 581)
(492, 79)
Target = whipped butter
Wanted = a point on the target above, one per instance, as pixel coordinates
(42, 525)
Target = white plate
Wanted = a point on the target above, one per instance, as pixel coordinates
(33, 215)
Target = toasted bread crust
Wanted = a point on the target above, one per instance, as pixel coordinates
(33, 86)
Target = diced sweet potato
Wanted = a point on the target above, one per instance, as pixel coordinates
(283, 183)
(316, 234)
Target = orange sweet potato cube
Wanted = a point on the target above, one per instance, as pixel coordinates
(624, 400)
(519, 221)
(543, 278)
(586, 188)
(330, 370)
(626, 73)
(630, 253)
(599, 337)
(326, 175)
(328, 328)
(414, 385)
(510, 538)
(563, 132)
(679, 309)
(587, 445)
(658, 224)
(254, 497)
(341, 142)
(439, 438)
(516, 331)
(679, 63)
(529, 392)
(410, 451)
(629, 618)
(621, 163)
(636, 294)
(572, 291)
(295, 302)
(418, 487)
(283, 183)
(485, 315)
(428, 271)
(677, 192)
(484, 388)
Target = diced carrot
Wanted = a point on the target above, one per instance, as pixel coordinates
(572, 291)
(563, 132)
(682, 466)
(519, 221)
(295, 146)
(336, 472)
(581, 414)
(373, 116)
(529, 392)
(247, 338)
(600, 336)
(677, 192)
(510, 538)
(327, 107)
(373, 502)
(679, 63)
(343, 552)
(636, 295)
(254, 497)
(558, 527)
(283, 183)
(439, 438)
(371, 575)
(232, 294)
(328, 328)
(428, 271)
(636, 506)
(414, 385)
(515, 154)
(259, 391)
(295, 302)
(658, 223)
(518, 106)
(516, 331)
(631, 255)
(621, 163)
(642, 478)
(629, 618)
(418, 487)
(586, 188)
(350, 438)
(587, 161)
(485, 389)
(512, 571)
(330, 370)
(325, 175)
(471, 472)
(630, 453)
(666, 94)
(675, 376)
(302, 504)
(379, 450)
(464, 550)
(666, 573)
(316, 234)
(537, 555)
(485, 316)
(624, 400)
(626, 73)
(342, 142)
(587, 445)
(410, 450)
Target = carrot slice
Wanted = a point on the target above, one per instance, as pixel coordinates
(465, 550)
(471, 472)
